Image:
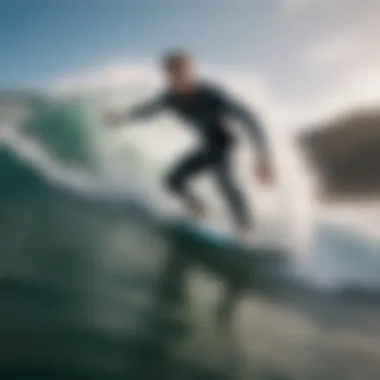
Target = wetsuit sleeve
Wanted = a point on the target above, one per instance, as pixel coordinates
(249, 120)
(147, 110)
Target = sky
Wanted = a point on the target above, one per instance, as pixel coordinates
(298, 60)
(302, 50)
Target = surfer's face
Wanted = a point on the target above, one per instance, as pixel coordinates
(181, 74)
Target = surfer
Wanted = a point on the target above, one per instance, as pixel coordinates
(205, 108)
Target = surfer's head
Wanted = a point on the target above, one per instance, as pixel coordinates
(179, 69)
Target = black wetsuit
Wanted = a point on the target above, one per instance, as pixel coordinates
(206, 111)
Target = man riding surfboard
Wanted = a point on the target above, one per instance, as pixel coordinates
(204, 107)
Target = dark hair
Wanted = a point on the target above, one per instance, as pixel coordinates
(174, 58)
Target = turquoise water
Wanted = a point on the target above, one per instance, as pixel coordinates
(69, 130)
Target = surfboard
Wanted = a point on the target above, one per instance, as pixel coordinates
(208, 232)
(222, 252)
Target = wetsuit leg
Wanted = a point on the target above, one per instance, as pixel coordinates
(230, 190)
(216, 158)
(177, 179)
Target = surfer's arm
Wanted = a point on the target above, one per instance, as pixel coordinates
(249, 120)
(146, 110)
(139, 112)
(264, 166)
(252, 125)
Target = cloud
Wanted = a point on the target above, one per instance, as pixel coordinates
(335, 51)
(300, 6)
(105, 78)
(341, 54)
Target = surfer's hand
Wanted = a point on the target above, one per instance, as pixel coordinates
(114, 118)
(264, 170)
